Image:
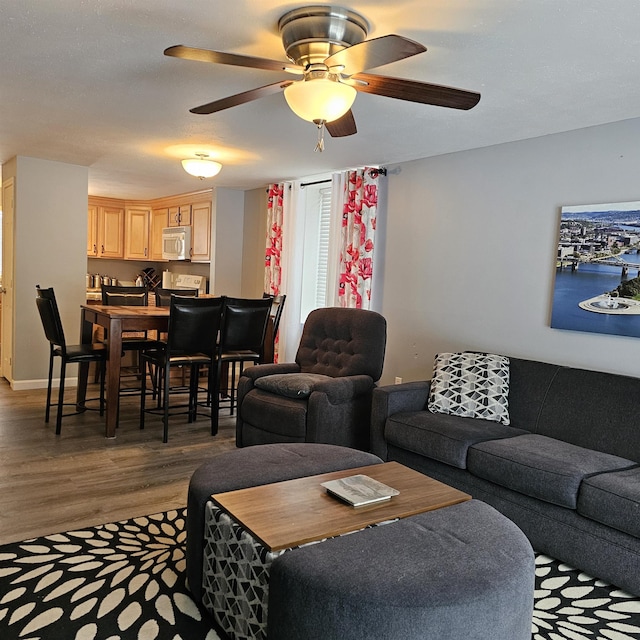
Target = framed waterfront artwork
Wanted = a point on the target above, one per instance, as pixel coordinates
(597, 283)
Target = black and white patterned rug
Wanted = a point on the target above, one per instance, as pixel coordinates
(126, 580)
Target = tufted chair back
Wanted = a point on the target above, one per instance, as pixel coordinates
(341, 342)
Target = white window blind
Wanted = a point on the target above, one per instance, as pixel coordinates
(324, 220)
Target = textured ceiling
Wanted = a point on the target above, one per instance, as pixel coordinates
(86, 82)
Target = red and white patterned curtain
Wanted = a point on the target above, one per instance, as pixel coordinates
(359, 219)
(273, 251)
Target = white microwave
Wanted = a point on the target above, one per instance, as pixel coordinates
(176, 243)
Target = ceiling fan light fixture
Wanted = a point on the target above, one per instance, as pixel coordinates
(320, 99)
(200, 167)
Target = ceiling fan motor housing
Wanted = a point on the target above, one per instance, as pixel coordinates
(311, 34)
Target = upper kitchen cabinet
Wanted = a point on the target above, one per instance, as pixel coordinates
(159, 221)
(137, 233)
(201, 232)
(133, 229)
(106, 229)
(180, 216)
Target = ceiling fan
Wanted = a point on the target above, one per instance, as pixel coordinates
(327, 47)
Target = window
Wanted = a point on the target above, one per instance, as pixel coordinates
(317, 233)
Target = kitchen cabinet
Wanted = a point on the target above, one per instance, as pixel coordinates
(105, 238)
(92, 231)
(132, 229)
(180, 216)
(136, 233)
(159, 221)
(201, 232)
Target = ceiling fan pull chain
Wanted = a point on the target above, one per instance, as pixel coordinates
(320, 144)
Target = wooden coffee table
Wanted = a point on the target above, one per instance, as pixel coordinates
(291, 513)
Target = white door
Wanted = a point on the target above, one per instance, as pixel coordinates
(6, 362)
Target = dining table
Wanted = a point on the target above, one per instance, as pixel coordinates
(115, 320)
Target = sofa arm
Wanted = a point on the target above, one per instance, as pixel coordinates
(387, 400)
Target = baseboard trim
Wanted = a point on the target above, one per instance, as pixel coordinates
(26, 385)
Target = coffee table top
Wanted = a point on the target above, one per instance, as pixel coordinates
(294, 512)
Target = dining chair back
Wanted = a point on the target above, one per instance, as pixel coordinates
(54, 332)
(271, 338)
(133, 341)
(192, 338)
(163, 296)
(242, 336)
(121, 295)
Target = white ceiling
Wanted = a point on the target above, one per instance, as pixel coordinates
(86, 82)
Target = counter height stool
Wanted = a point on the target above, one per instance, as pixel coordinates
(134, 341)
(68, 354)
(194, 324)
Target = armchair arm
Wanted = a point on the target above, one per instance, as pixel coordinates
(344, 389)
(260, 370)
(387, 400)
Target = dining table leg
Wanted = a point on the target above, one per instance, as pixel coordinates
(113, 376)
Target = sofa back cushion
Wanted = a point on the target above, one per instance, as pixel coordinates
(593, 409)
(529, 383)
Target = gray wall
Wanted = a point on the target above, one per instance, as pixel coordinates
(471, 245)
(50, 239)
(254, 234)
(226, 258)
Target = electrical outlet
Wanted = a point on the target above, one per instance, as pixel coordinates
(398, 380)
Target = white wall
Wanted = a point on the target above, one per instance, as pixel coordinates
(226, 259)
(471, 245)
(50, 240)
(254, 234)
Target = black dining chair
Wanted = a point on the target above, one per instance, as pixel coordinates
(68, 354)
(277, 307)
(163, 296)
(163, 299)
(242, 339)
(136, 341)
(194, 325)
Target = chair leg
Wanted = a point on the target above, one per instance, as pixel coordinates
(103, 373)
(48, 409)
(143, 397)
(165, 419)
(214, 381)
(63, 367)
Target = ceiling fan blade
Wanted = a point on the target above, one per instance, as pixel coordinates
(219, 57)
(374, 53)
(344, 126)
(240, 98)
(415, 91)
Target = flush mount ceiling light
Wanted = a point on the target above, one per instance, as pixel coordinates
(200, 167)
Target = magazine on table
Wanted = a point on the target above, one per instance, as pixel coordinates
(359, 490)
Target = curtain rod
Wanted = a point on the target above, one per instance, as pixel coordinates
(378, 170)
(308, 184)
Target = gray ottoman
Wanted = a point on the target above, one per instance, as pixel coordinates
(251, 467)
(460, 573)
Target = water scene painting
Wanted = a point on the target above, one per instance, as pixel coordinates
(597, 284)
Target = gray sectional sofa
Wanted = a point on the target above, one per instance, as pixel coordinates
(566, 469)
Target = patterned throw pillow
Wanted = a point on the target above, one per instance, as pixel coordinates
(472, 385)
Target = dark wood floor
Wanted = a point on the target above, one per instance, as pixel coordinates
(52, 483)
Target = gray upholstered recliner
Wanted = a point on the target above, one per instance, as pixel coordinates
(325, 395)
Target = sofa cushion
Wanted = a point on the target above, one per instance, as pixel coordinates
(292, 385)
(471, 385)
(442, 437)
(613, 499)
(541, 467)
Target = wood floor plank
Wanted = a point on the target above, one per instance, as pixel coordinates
(50, 483)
